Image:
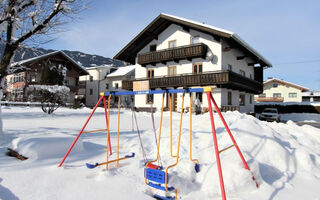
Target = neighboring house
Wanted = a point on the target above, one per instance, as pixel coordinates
(173, 52)
(275, 90)
(90, 84)
(113, 82)
(311, 96)
(29, 73)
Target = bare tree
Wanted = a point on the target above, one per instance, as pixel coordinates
(28, 22)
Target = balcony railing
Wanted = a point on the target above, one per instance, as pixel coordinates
(225, 79)
(269, 99)
(173, 54)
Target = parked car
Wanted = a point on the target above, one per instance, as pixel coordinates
(270, 114)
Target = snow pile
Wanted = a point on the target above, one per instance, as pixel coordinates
(283, 157)
(41, 148)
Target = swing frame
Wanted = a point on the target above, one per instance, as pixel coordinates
(210, 99)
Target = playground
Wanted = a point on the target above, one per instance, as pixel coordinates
(282, 157)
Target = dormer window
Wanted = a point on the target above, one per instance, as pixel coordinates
(172, 43)
(195, 39)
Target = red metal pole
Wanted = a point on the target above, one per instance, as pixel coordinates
(74, 142)
(106, 114)
(229, 132)
(215, 141)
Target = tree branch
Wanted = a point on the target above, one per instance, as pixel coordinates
(40, 26)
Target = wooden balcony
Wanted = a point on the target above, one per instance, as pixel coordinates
(173, 54)
(224, 79)
(269, 99)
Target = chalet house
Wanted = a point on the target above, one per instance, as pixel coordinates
(29, 73)
(173, 52)
(90, 85)
(276, 90)
(113, 82)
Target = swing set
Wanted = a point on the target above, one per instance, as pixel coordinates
(155, 175)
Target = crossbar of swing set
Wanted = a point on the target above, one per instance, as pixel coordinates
(184, 90)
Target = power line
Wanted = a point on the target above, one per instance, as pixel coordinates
(298, 62)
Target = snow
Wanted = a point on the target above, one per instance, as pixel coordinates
(284, 157)
(122, 71)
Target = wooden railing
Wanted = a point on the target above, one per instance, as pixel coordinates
(269, 99)
(222, 78)
(230, 108)
(173, 54)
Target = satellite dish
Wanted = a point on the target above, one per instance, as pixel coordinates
(209, 56)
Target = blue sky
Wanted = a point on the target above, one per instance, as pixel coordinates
(285, 32)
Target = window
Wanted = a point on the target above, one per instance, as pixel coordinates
(107, 86)
(229, 98)
(172, 43)
(276, 95)
(197, 68)
(172, 70)
(292, 95)
(199, 96)
(229, 67)
(91, 78)
(243, 73)
(150, 73)
(250, 76)
(91, 91)
(242, 99)
(250, 99)
(275, 85)
(33, 78)
(153, 47)
(116, 85)
(195, 39)
(149, 99)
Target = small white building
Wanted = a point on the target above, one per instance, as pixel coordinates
(276, 90)
(113, 82)
(90, 85)
(311, 96)
(173, 52)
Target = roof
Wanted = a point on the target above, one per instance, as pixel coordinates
(163, 21)
(37, 58)
(122, 71)
(303, 89)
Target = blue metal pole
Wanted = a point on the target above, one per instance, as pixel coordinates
(186, 90)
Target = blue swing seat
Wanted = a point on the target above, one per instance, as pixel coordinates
(157, 176)
(163, 198)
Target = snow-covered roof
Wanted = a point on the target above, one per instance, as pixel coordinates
(311, 93)
(122, 71)
(303, 89)
(30, 60)
(159, 24)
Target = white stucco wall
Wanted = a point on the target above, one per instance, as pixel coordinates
(230, 57)
(220, 61)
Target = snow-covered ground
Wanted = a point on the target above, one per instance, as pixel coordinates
(284, 157)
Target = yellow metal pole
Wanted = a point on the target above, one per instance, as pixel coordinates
(108, 132)
(118, 131)
(178, 149)
(94, 131)
(158, 145)
(194, 160)
(170, 104)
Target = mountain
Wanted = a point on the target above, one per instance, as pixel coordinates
(86, 60)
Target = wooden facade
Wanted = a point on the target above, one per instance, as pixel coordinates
(222, 78)
(173, 54)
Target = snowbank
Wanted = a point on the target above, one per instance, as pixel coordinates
(283, 157)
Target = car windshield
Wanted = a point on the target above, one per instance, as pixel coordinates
(270, 111)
